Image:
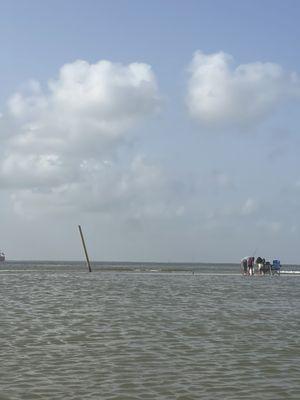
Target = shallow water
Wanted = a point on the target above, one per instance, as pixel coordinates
(131, 331)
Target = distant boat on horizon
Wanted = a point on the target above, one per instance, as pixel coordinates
(2, 256)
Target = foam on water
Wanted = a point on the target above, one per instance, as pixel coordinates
(290, 272)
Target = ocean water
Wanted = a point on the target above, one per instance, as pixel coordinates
(147, 331)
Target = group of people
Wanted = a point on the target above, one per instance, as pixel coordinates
(260, 264)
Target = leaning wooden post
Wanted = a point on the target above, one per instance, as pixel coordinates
(85, 250)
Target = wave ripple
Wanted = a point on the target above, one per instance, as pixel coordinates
(71, 335)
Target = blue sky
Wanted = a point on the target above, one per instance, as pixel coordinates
(152, 166)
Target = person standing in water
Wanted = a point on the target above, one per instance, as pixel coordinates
(259, 265)
(244, 265)
(250, 265)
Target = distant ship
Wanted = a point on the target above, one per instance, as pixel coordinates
(2, 256)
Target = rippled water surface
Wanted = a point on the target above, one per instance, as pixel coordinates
(147, 332)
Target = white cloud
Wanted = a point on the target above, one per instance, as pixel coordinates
(34, 170)
(62, 151)
(221, 95)
(89, 107)
(221, 180)
(140, 190)
(273, 227)
(249, 207)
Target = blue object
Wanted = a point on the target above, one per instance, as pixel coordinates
(276, 264)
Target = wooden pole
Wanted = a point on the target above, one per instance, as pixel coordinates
(85, 250)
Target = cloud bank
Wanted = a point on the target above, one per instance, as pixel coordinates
(61, 143)
(221, 95)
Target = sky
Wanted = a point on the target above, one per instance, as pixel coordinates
(168, 130)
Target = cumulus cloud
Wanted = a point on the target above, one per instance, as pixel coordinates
(221, 94)
(87, 108)
(63, 142)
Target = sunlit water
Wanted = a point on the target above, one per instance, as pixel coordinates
(131, 331)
